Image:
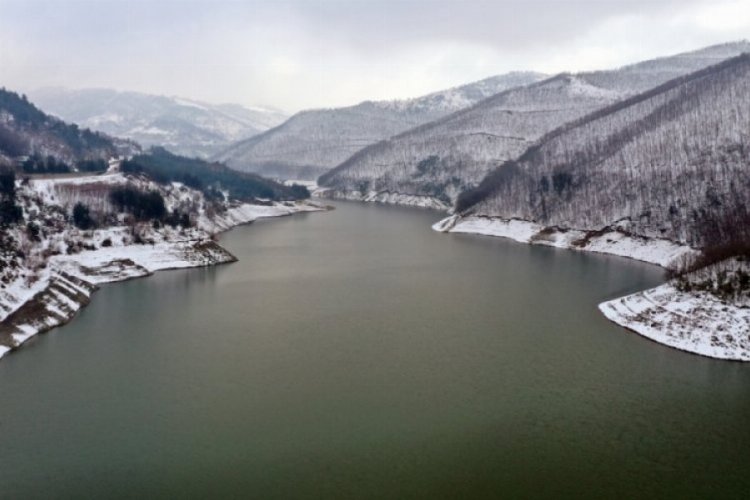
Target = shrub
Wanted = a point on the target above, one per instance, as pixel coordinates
(299, 192)
(428, 164)
(11, 143)
(142, 205)
(98, 165)
(7, 183)
(177, 218)
(10, 213)
(82, 217)
(32, 229)
(37, 164)
(561, 181)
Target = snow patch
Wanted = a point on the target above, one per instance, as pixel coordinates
(696, 322)
(386, 197)
(664, 253)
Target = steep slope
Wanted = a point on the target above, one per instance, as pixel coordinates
(312, 142)
(183, 126)
(73, 233)
(442, 158)
(25, 130)
(213, 179)
(670, 163)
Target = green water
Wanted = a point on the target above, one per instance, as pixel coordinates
(358, 354)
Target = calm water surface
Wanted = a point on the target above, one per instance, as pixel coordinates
(358, 354)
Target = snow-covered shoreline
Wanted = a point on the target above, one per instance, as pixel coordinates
(695, 322)
(67, 282)
(385, 197)
(663, 253)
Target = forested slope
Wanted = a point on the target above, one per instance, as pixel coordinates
(26, 130)
(183, 126)
(673, 162)
(312, 142)
(445, 157)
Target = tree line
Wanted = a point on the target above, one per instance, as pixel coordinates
(211, 178)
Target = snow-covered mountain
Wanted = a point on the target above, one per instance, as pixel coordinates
(25, 130)
(183, 126)
(672, 162)
(442, 158)
(312, 142)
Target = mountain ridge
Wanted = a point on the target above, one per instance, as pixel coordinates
(26, 130)
(672, 162)
(507, 123)
(185, 126)
(313, 141)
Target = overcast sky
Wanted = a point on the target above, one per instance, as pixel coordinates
(316, 53)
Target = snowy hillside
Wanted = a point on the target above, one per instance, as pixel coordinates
(72, 233)
(312, 142)
(669, 163)
(442, 158)
(183, 126)
(26, 131)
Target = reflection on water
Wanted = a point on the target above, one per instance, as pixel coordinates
(357, 353)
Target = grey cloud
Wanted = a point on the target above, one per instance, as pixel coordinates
(308, 53)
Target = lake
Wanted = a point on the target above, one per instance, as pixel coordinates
(359, 354)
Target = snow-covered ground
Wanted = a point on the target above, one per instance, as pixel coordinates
(696, 322)
(60, 272)
(311, 185)
(661, 252)
(246, 213)
(28, 310)
(386, 197)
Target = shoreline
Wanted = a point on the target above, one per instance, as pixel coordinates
(69, 281)
(383, 197)
(694, 322)
(663, 253)
(683, 320)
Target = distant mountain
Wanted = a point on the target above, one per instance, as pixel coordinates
(672, 162)
(25, 130)
(442, 158)
(183, 126)
(312, 142)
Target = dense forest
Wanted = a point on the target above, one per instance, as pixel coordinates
(443, 158)
(10, 211)
(211, 178)
(312, 142)
(26, 130)
(38, 164)
(671, 162)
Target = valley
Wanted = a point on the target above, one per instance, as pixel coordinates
(387, 249)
